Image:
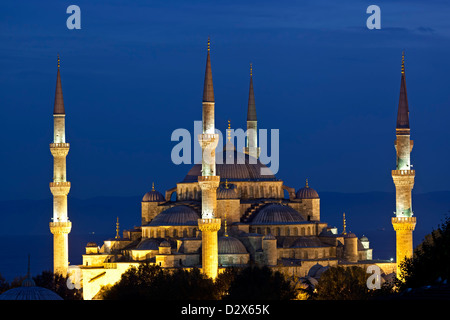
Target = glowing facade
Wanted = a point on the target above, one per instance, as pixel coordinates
(403, 222)
(60, 226)
(228, 214)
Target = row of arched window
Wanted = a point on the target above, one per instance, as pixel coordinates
(244, 191)
(285, 231)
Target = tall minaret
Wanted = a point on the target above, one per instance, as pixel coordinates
(403, 222)
(252, 148)
(60, 226)
(208, 181)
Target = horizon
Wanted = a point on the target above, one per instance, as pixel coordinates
(149, 83)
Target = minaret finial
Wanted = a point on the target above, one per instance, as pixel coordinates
(229, 131)
(153, 186)
(345, 225)
(403, 62)
(225, 224)
(117, 228)
(226, 183)
(58, 61)
(251, 70)
(306, 186)
(209, 44)
(28, 273)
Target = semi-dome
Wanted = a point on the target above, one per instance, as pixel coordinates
(148, 244)
(230, 245)
(227, 191)
(317, 270)
(176, 216)
(234, 166)
(276, 213)
(153, 196)
(164, 244)
(307, 192)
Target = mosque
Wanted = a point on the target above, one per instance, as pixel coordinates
(227, 213)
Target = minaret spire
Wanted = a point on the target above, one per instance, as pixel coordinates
(251, 110)
(59, 100)
(208, 89)
(252, 148)
(403, 109)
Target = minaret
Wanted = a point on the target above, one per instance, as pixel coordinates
(403, 222)
(208, 181)
(60, 226)
(252, 148)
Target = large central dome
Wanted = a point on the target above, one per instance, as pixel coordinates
(234, 166)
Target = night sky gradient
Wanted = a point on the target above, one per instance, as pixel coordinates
(134, 73)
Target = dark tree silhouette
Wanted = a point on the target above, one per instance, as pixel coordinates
(149, 282)
(339, 283)
(260, 283)
(430, 262)
(58, 284)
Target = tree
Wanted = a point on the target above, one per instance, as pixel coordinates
(339, 283)
(431, 260)
(260, 283)
(58, 284)
(4, 285)
(150, 282)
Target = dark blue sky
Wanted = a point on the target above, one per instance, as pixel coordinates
(134, 73)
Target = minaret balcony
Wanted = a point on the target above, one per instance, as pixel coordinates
(211, 225)
(403, 172)
(60, 145)
(60, 188)
(208, 140)
(60, 227)
(404, 223)
(59, 149)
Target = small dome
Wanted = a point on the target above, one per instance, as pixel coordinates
(227, 191)
(235, 166)
(307, 193)
(176, 216)
(364, 239)
(29, 291)
(153, 196)
(148, 244)
(304, 242)
(230, 245)
(164, 244)
(276, 213)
